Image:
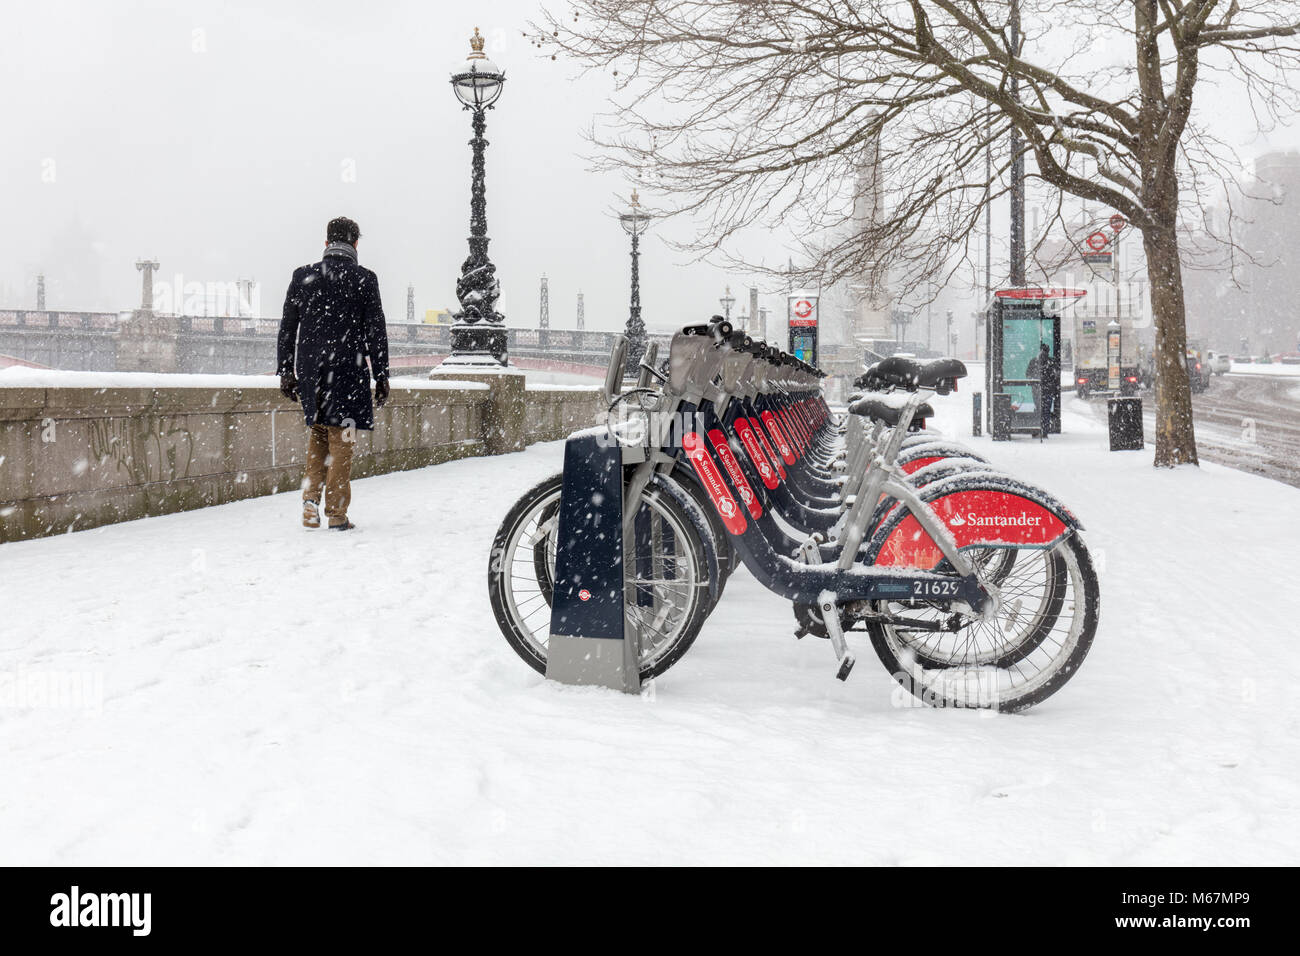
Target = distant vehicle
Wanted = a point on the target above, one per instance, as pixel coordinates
(1243, 359)
(1220, 362)
(1091, 361)
(1198, 372)
(1289, 358)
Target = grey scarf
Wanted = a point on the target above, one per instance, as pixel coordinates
(345, 249)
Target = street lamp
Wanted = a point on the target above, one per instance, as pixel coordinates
(635, 222)
(727, 301)
(901, 319)
(478, 335)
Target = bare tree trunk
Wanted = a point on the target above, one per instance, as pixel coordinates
(1175, 437)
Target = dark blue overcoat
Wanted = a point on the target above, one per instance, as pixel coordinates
(333, 324)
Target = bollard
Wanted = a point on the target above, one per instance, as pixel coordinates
(1000, 427)
(977, 414)
(1124, 420)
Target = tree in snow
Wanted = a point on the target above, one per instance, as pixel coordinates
(759, 112)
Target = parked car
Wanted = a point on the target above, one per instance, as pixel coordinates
(1289, 358)
(1220, 363)
(1243, 359)
(1198, 372)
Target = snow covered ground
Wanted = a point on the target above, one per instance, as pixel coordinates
(1273, 368)
(257, 693)
(574, 379)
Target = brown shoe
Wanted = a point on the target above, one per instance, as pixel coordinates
(345, 525)
(310, 514)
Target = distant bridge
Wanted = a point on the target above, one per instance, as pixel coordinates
(89, 341)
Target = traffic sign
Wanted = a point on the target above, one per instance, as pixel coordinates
(1097, 241)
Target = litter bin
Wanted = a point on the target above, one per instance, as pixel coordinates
(1124, 418)
(1000, 427)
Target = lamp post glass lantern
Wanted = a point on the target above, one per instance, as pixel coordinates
(727, 301)
(478, 335)
(635, 222)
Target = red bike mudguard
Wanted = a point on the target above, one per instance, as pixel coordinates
(978, 510)
(916, 464)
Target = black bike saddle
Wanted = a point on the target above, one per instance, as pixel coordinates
(881, 411)
(896, 371)
(941, 375)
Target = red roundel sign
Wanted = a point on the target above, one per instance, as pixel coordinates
(803, 308)
(1097, 241)
(584, 595)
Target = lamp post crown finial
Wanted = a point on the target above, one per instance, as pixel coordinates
(476, 46)
(636, 201)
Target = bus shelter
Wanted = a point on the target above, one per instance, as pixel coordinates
(1020, 322)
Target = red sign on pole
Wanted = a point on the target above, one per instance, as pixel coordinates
(803, 311)
(1117, 222)
(1097, 241)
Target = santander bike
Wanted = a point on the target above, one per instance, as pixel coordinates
(974, 587)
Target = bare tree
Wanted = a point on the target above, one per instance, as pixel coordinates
(757, 113)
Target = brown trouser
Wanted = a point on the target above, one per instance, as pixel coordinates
(329, 465)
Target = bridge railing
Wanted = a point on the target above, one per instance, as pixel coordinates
(582, 345)
(31, 319)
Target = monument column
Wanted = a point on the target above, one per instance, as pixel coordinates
(146, 342)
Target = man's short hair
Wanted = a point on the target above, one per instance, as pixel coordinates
(342, 229)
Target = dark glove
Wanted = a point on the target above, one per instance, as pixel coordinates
(381, 390)
(289, 386)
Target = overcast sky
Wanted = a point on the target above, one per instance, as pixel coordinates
(220, 137)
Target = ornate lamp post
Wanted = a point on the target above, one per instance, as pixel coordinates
(635, 221)
(478, 335)
(901, 319)
(727, 301)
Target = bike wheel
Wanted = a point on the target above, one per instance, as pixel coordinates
(668, 605)
(1041, 630)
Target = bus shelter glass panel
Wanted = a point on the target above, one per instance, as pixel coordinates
(1021, 341)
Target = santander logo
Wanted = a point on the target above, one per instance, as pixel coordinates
(1021, 520)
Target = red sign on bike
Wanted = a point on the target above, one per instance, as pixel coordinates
(775, 431)
(733, 519)
(755, 453)
(772, 456)
(728, 459)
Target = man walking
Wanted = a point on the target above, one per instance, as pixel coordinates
(1047, 370)
(333, 322)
